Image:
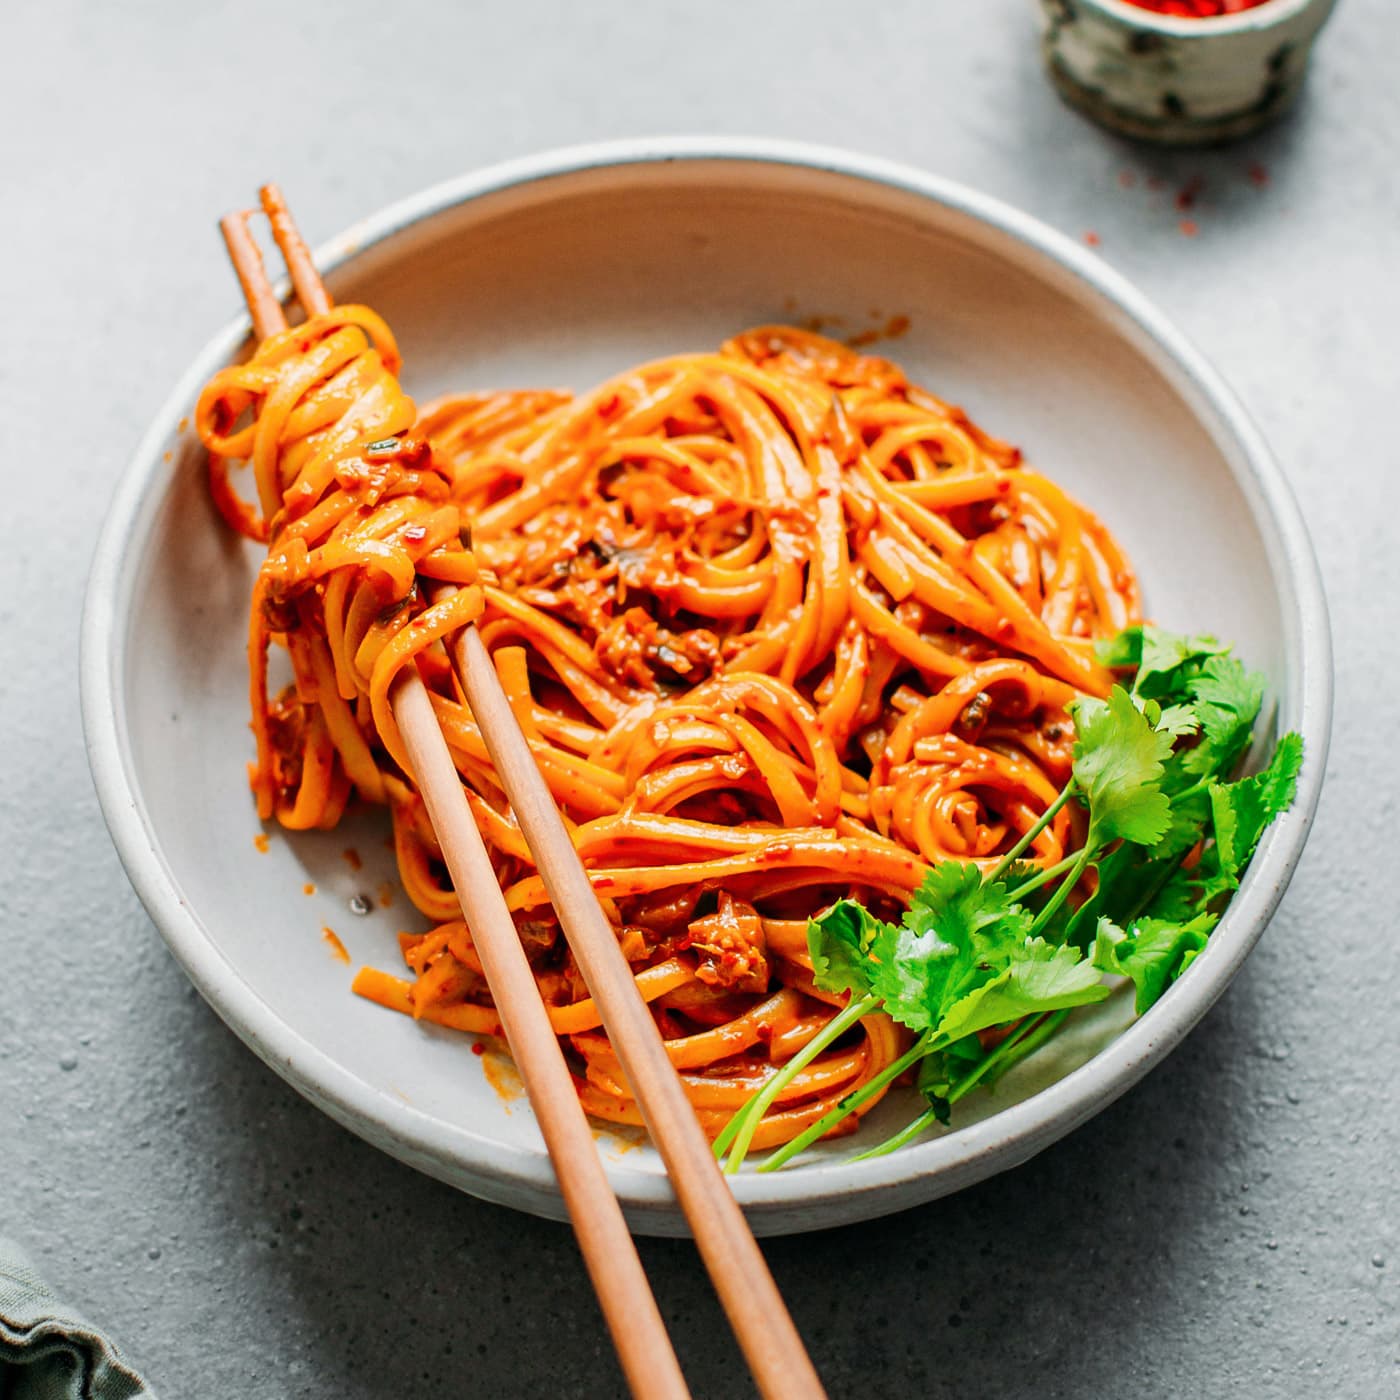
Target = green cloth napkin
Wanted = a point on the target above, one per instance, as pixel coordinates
(50, 1352)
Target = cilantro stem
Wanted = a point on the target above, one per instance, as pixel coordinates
(1046, 817)
(1061, 894)
(1195, 790)
(742, 1126)
(1028, 1037)
(1022, 1042)
(1045, 876)
(906, 1134)
(848, 1104)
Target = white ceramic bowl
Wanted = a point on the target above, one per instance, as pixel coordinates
(560, 270)
(1180, 82)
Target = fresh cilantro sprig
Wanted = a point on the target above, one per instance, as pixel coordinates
(1241, 811)
(983, 968)
(964, 960)
(1119, 760)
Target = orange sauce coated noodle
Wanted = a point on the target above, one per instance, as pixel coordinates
(779, 625)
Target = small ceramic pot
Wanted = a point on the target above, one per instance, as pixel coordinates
(1180, 81)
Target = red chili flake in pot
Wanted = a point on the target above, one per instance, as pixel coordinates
(1198, 9)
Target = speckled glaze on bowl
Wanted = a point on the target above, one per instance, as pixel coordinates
(1180, 82)
(561, 269)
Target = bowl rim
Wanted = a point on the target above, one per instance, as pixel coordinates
(818, 1194)
(1260, 17)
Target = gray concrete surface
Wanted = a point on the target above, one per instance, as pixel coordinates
(1228, 1229)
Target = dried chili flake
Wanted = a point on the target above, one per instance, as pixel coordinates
(1198, 9)
(1189, 193)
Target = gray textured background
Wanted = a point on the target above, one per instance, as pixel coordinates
(1228, 1228)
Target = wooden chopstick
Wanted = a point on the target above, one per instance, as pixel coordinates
(247, 260)
(751, 1300)
(610, 1254)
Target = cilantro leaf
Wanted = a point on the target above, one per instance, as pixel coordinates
(961, 932)
(1156, 656)
(1153, 952)
(940, 1069)
(977, 917)
(1199, 687)
(1122, 652)
(959, 929)
(1242, 810)
(1178, 720)
(1041, 977)
(1118, 760)
(841, 942)
(1019, 871)
(1228, 699)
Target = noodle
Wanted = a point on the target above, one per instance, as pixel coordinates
(779, 626)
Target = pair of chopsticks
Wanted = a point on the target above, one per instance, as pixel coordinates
(746, 1290)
